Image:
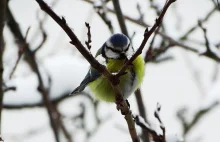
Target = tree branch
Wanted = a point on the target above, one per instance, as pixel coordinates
(44, 35)
(187, 126)
(124, 30)
(89, 36)
(102, 12)
(14, 27)
(144, 125)
(2, 23)
(120, 17)
(122, 105)
(142, 111)
(175, 42)
(147, 34)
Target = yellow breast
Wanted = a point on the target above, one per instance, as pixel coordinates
(102, 88)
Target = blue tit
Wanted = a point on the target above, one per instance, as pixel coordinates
(115, 51)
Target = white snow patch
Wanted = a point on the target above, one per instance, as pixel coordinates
(66, 73)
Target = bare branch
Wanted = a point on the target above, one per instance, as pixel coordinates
(2, 45)
(102, 12)
(20, 53)
(141, 15)
(12, 88)
(184, 36)
(156, 137)
(94, 63)
(135, 21)
(146, 37)
(205, 36)
(187, 126)
(89, 37)
(44, 35)
(142, 111)
(208, 51)
(14, 27)
(120, 17)
(153, 53)
(43, 20)
(114, 79)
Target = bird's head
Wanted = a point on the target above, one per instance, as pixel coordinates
(118, 46)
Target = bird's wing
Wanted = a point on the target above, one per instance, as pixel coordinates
(91, 76)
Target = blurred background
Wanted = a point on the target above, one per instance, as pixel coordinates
(41, 68)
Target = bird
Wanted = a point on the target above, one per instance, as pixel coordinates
(115, 52)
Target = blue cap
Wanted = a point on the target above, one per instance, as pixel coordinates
(119, 40)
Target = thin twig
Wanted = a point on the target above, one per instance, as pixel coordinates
(186, 34)
(153, 53)
(141, 15)
(195, 74)
(62, 126)
(135, 21)
(102, 12)
(147, 34)
(43, 20)
(157, 115)
(12, 88)
(54, 101)
(183, 37)
(205, 36)
(208, 51)
(44, 35)
(187, 126)
(20, 53)
(144, 125)
(89, 37)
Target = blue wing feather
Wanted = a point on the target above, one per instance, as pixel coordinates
(91, 76)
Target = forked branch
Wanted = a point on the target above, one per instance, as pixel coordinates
(113, 79)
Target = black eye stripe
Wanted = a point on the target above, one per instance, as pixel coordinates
(113, 50)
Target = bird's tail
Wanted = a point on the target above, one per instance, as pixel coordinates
(78, 90)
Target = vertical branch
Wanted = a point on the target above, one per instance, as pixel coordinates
(30, 58)
(142, 111)
(138, 94)
(140, 104)
(120, 17)
(124, 30)
(2, 23)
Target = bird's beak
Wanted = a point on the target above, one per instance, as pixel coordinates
(123, 56)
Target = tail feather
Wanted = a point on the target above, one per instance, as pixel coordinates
(91, 76)
(78, 90)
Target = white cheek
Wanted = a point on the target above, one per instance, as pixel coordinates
(130, 52)
(111, 54)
